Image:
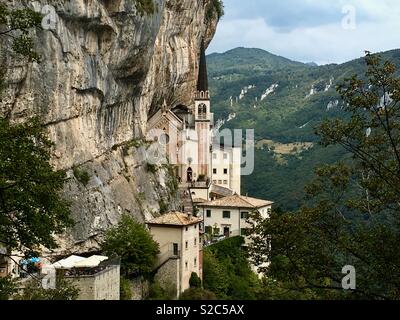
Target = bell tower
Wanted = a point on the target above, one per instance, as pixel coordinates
(203, 117)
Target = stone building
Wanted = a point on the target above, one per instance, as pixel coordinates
(179, 237)
(96, 277)
(186, 134)
(228, 215)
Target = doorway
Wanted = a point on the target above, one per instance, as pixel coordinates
(189, 175)
(227, 232)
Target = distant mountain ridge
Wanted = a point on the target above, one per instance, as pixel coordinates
(301, 93)
(283, 100)
(244, 58)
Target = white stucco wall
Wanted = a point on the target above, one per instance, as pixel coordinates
(166, 236)
(235, 222)
(231, 163)
(189, 254)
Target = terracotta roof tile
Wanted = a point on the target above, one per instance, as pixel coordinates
(175, 219)
(237, 201)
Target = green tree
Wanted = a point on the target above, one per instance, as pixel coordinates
(17, 25)
(31, 208)
(227, 272)
(352, 212)
(134, 244)
(215, 278)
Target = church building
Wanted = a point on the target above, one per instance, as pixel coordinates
(208, 166)
(186, 133)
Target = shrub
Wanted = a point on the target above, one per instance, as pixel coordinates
(8, 288)
(163, 207)
(152, 168)
(125, 289)
(145, 6)
(158, 292)
(64, 290)
(198, 294)
(81, 175)
(208, 230)
(216, 7)
(194, 281)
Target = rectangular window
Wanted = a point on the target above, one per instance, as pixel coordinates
(244, 231)
(214, 181)
(225, 171)
(208, 213)
(214, 156)
(208, 229)
(186, 245)
(186, 265)
(214, 171)
(195, 262)
(225, 181)
(195, 241)
(225, 156)
(226, 214)
(219, 181)
(244, 215)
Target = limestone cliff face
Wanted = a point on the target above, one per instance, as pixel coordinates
(104, 68)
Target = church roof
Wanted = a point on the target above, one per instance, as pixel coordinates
(202, 82)
(159, 115)
(175, 218)
(237, 201)
(181, 109)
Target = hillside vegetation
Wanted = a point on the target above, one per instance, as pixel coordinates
(283, 101)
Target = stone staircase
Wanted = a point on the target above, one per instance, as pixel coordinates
(185, 199)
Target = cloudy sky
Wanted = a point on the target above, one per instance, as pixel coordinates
(323, 31)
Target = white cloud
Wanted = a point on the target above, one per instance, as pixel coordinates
(376, 30)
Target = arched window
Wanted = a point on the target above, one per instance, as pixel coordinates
(164, 139)
(202, 111)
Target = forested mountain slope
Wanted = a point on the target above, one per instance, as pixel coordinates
(283, 101)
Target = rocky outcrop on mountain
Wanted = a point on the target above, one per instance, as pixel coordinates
(105, 67)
